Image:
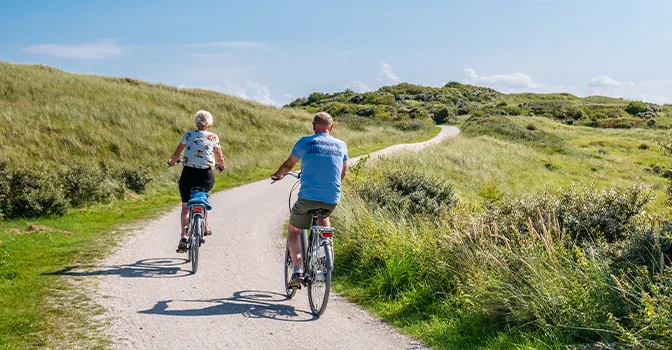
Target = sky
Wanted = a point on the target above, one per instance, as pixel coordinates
(276, 51)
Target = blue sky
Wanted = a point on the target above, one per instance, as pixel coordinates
(273, 51)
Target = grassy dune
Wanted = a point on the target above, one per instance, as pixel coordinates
(51, 120)
(522, 260)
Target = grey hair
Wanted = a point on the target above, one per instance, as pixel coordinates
(203, 118)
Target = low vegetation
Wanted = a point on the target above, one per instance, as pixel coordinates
(408, 106)
(537, 234)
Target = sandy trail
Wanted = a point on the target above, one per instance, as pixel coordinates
(236, 300)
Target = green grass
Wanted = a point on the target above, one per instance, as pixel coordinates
(55, 119)
(424, 276)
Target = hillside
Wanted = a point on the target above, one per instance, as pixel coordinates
(409, 105)
(105, 135)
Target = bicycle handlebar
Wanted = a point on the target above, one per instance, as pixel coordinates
(294, 174)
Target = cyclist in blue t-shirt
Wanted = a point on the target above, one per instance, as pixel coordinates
(324, 164)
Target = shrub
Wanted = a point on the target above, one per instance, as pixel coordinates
(408, 191)
(636, 107)
(84, 184)
(135, 179)
(587, 214)
(531, 127)
(512, 110)
(32, 193)
(443, 115)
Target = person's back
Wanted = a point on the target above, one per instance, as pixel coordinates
(324, 164)
(322, 158)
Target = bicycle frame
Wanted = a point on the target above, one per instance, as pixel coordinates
(319, 235)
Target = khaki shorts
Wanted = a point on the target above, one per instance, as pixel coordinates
(300, 217)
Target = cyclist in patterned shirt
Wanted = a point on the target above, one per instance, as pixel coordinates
(201, 148)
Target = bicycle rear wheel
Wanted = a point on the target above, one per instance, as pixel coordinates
(320, 280)
(289, 269)
(195, 243)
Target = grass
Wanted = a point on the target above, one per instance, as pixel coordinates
(53, 120)
(452, 282)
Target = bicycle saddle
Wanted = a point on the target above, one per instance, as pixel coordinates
(319, 212)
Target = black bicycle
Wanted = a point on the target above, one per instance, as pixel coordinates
(317, 259)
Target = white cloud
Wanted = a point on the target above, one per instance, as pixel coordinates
(360, 86)
(346, 53)
(247, 44)
(87, 51)
(249, 90)
(288, 96)
(514, 80)
(606, 81)
(386, 76)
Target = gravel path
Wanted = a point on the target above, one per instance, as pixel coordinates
(236, 300)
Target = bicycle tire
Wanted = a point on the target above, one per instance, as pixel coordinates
(316, 281)
(289, 266)
(196, 243)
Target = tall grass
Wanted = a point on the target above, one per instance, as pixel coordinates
(544, 249)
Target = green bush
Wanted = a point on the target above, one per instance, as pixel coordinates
(84, 184)
(585, 213)
(636, 107)
(30, 193)
(444, 115)
(135, 179)
(408, 191)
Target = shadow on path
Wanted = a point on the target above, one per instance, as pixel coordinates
(248, 303)
(145, 268)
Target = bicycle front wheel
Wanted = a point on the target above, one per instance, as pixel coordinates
(195, 243)
(320, 280)
(289, 269)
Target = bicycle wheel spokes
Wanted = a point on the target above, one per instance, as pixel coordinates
(320, 281)
(289, 269)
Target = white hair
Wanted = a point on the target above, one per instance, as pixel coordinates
(203, 118)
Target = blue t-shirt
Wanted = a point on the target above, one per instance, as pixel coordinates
(322, 157)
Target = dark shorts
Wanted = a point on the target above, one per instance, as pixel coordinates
(300, 217)
(194, 177)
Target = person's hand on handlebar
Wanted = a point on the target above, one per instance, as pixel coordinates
(172, 162)
(276, 177)
(220, 167)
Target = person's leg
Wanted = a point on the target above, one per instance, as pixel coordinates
(324, 222)
(294, 244)
(184, 220)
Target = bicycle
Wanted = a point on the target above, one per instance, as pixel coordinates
(317, 259)
(196, 226)
(195, 229)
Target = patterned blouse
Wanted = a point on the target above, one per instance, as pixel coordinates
(200, 149)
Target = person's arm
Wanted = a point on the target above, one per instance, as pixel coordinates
(346, 162)
(286, 167)
(177, 154)
(219, 156)
(344, 172)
